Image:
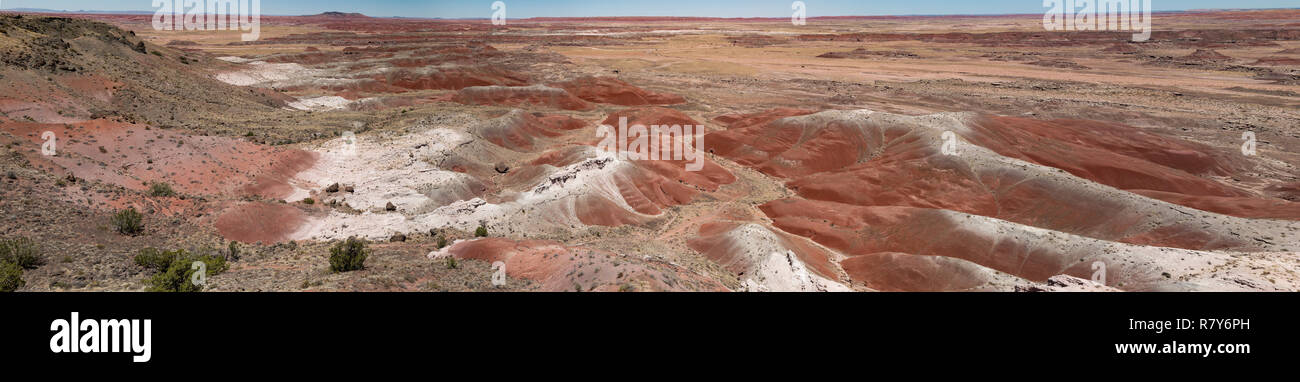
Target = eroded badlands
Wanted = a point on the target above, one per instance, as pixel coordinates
(855, 154)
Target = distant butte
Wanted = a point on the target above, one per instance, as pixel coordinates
(342, 15)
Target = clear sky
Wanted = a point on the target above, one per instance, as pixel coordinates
(705, 8)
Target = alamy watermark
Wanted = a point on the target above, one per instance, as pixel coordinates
(1099, 15)
(1248, 145)
(349, 148)
(499, 274)
(800, 15)
(499, 13)
(949, 146)
(200, 276)
(76, 335)
(50, 147)
(210, 15)
(1099, 272)
(656, 142)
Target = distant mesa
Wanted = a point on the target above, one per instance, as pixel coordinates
(342, 15)
(1207, 55)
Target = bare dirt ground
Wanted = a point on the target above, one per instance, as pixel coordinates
(824, 168)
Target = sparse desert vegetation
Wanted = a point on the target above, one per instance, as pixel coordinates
(173, 271)
(161, 189)
(348, 255)
(128, 222)
(11, 277)
(21, 251)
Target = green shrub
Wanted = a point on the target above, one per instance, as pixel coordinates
(175, 269)
(22, 252)
(128, 222)
(308, 201)
(176, 278)
(480, 232)
(161, 189)
(452, 263)
(11, 277)
(156, 260)
(216, 264)
(442, 242)
(349, 255)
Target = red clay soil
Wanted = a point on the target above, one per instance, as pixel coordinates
(1286, 191)
(857, 231)
(133, 156)
(453, 78)
(273, 180)
(744, 120)
(1249, 207)
(520, 129)
(646, 186)
(1108, 153)
(709, 178)
(563, 268)
(907, 178)
(868, 231)
(1127, 158)
(596, 210)
(1184, 236)
(260, 222)
(317, 58)
(560, 157)
(1278, 61)
(520, 96)
(787, 148)
(62, 101)
(1181, 38)
(614, 91)
(647, 116)
(837, 164)
(647, 191)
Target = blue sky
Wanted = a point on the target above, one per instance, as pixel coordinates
(715, 8)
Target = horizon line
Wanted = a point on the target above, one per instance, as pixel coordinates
(144, 12)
